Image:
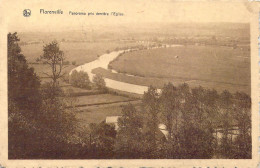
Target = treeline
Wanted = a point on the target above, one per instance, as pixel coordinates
(81, 79)
(39, 123)
(178, 123)
(200, 124)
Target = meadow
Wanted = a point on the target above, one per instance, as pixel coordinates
(98, 113)
(80, 52)
(209, 66)
(99, 99)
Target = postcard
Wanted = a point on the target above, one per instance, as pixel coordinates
(158, 83)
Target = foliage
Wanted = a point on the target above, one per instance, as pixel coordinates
(226, 104)
(80, 79)
(192, 116)
(23, 100)
(54, 57)
(40, 122)
(56, 120)
(242, 115)
(102, 140)
(66, 78)
(73, 62)
(151, 108)
(129, 142)
(99, 82)
(23, 84)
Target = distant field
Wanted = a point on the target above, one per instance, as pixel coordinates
(96, 114)
(81, 52)
(95, 108)
(209, 66)
(41, 69)
(100, 98)
(138, 80)
(160, 82)
(88, 112)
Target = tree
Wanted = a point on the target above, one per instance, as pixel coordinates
(23, 84)
(57, 122)
(40, 122)
(99, 82)
(129, 142)
(168, 105)
(185, 116)
(58, 117)
(80, 79)
(102, 140)
(54, 57)
(169, 108)
(226, 103)
(24, 101)
(73, 63)
(150, 103)
(242, 116)
(197, 132)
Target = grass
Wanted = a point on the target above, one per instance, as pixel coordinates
(209, 66)
(96, 114)
(138, 80)
(81, 52)
(95, 108)
(100, 98)
(41, 69)
(159, 82)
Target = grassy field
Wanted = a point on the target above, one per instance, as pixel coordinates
(81, 52)
(96, 114)
(100, 98)
(209, 66)
(41, 69)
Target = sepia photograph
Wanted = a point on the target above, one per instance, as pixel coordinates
(159, 80)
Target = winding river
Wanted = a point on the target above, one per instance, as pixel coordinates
(103, 62)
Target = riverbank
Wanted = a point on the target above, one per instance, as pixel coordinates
(135, 70)
(103, 62)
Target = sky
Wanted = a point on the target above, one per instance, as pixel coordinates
(135, 12)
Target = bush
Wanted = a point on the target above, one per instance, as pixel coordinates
(99, 82)
(80, 79)
(73, 62)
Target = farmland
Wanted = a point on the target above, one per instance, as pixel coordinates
(210, 66)
(98, 113)
(80, 52)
